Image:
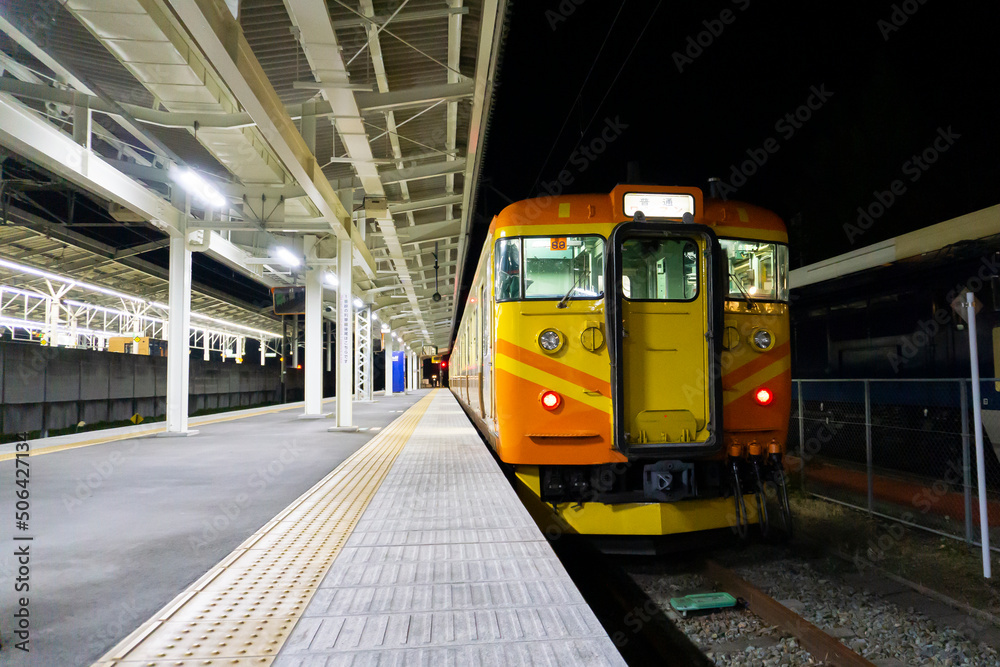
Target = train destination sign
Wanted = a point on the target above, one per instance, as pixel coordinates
(659, 205)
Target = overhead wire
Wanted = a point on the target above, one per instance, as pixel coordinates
(579, 96)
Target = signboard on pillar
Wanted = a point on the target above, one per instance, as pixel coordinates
(344, 325)
(398, 371)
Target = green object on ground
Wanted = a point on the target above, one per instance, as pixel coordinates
(702, 601)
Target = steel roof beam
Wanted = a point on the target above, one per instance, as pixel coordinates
(490, 37)
(218, 34)
(421, 204)
(415, 97)
(399, 18)
(27, 134)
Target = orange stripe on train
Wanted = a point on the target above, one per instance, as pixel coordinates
(763, 360)
(553, 367)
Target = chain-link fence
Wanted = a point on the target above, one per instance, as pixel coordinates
(900, 449)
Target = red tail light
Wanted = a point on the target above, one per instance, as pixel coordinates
(550, 400)
(763, 396)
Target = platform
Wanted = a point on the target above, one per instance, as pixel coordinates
(415, 550)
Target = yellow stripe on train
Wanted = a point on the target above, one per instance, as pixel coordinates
(553, 382)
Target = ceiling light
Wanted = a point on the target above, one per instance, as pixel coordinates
(331, 279)
(358, 303)
(200, 188)
(287, 257)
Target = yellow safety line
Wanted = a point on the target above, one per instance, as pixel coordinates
(242, 610)
(140, 434)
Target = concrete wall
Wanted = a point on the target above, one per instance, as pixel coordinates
(45, 388)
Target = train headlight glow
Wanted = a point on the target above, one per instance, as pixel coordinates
(550, 400)
(550, 340)
(763, 396)
(762, 339)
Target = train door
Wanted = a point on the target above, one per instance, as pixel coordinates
(663, 313)
(487, 383)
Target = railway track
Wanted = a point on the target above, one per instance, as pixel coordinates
(823, 647)
(797, 610)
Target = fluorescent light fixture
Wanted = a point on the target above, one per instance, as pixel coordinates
(331, 279)
(200, 188)
(374, 317)
(358, 303)
(287, 257)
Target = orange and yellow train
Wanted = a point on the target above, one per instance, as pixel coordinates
(628, 356)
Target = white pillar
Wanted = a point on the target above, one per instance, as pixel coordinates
(263, 351)
(295, 341)
(388, 363)
(329, 345)
(345, 336)
(178, 350)
(204, 338)
(313, 362)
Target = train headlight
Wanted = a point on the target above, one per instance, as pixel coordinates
(550, 340)
(762, 339)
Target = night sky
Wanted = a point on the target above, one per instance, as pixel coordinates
(884, 81)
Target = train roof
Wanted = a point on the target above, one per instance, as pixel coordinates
(591, 208)
(979, 225)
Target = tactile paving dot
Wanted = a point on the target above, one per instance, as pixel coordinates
(230, 603)
(214, 640)
(242, 616)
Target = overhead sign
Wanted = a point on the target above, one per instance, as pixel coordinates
(658, 204)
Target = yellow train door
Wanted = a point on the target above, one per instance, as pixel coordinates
(663, 311)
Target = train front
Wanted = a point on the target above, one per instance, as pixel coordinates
(642, 380)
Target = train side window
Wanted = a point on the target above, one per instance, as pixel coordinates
(508, 270)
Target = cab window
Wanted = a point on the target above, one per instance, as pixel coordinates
(550, 267)
(659, 269)
(756, 270)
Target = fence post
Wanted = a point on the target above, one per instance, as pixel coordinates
(868, 446)
(966, 466)
(802, 438)
(977, 415)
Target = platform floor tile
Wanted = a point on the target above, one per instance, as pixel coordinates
(446, 567)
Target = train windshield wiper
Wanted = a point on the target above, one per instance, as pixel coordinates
(739, 283)
(562, 301)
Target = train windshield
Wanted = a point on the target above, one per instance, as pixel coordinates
(757, 270)
(553, 266)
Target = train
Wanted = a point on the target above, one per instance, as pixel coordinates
(626, 356)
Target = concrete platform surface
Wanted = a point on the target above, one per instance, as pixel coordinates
(121, 528)
(446, 567)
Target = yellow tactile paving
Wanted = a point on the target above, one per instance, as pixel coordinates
(241, 611)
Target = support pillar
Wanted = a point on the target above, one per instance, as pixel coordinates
(313, 363)
(345, 336)
(295, 341)
(328, 325)
(388, 363)
(363, 355)
(178, 339)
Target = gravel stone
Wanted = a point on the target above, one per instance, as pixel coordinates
(877, 629)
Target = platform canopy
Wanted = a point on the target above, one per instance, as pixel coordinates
(357, 120)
